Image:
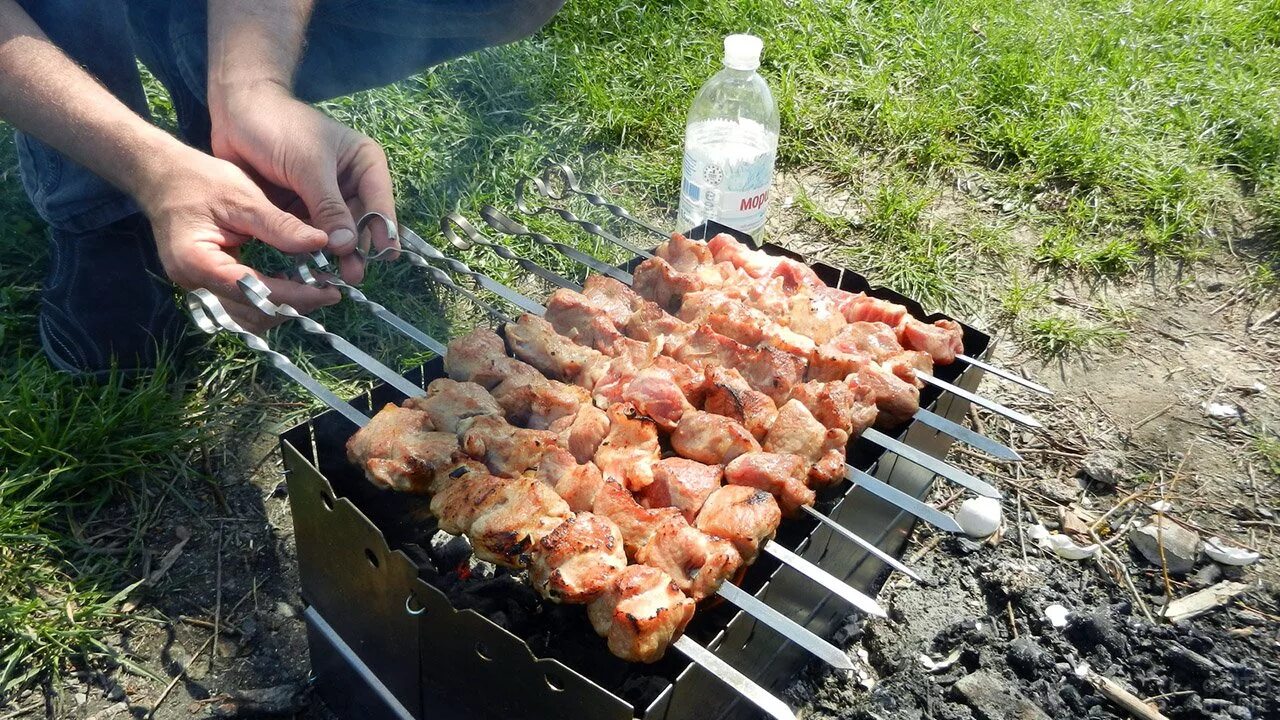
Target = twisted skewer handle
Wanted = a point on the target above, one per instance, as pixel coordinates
(562, 176)
(305, 274)
(258, 294)
(474, 237)
(504, 224)
(523, 206)
(211, 317)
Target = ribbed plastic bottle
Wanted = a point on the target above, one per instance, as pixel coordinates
(730, 144)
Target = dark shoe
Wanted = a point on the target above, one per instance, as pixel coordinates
(106, 302)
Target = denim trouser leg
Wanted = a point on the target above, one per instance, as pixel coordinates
(94, 33)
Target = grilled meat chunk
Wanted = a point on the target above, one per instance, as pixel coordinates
(682, 484)
(449, 402)
(781, 475)
(896, 399)
(637, 523)
(711, 439)
(398, 450)
(582, 433)
(758, 264)
(875, 340)
(576, 317)
(470, 357)
(507, 450)
(641, 614)
(616, 299)
(696, 561)
(460, 501)
(627, 454)
(656, 280)
(837, 405)
(514, 519)
(579, 560)
(530, 400)
(796, 431)
(534, 340)
(942, 339)
(684, 254)
(746, 516)
(576, 482)
(727, 393)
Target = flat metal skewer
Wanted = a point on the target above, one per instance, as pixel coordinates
(569, 217)
(475, 237)
(832, 583)
(504, 224)
(258, 294)
(865, 544)
(785, 626)
(893, 495)
(972, 438)
(306, 275)
(729, 675)
(563, 176)
(211, 317)
(976, 399)
(425, 252)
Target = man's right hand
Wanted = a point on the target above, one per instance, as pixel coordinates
(202, 210)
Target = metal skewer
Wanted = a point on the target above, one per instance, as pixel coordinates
(502, 223)
(304, 273)
(560, 175)
(726, 673)
(425, 252)
(976, 399)
(258, 294)
(569, 217)
(865, 544)
(475, 237)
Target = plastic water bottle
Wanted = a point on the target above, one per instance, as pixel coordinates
(730, 144)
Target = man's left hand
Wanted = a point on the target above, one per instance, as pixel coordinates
(336, 173)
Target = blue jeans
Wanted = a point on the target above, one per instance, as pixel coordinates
(351, 45)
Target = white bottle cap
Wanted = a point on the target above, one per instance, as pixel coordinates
(742, 52)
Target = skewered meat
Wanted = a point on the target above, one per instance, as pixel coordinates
(652, 390)
(637, 523)
(460, 500)
(470, 357)
(684, 254)
(518, 515)
(796, 431)
(837, 405)
(710, 438)
(616, 299)
(876, 340)
(682, 484)
(727, 393)
(698, 563)
(534, 340)
(627, 454)
(942, 339)
(399, 451)
(579, 560)
(574, 316)
(746, 516)
(449, 402)
(779, 474)
(576, 482)
(528, 398)
(582, 433)
(735, 319)
(896, 399)
(641, 614)
(766, 369)
(757, 264)
(505, 449)
(658, 281)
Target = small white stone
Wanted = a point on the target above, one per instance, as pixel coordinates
(1220, 552)
(1057, 615)
(1162, 506)
(1065, 547)
(979, 517)
(1221, 411)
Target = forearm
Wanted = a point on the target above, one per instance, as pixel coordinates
(47, 95)
(252, 44)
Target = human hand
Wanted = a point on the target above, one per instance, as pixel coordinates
(202, 210)
(336, 173)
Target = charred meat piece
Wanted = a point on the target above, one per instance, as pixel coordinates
(576, 482)
(582, 433)
(746, 516)
(781, 475)
(534, 340)
(449, 402)
(398, 450)
(682, 484)
(470, 357)
(698, 563)
(711, 439)
(627, 454)
(655, 394)
(505, 449)
(579, 560)
(837, 405)
(727, 393)
(641, 614)
(461, 500)
(942, 339)
(514, 519)
(798, 432)
(637, 523)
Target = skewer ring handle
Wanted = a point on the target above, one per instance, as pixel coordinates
(388, 224)
(558, 181)
(209, 314)
(520, 196)
(408, 606)
(256, 292)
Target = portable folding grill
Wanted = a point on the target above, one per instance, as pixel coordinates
(398, 629)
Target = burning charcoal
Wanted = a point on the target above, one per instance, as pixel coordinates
(452, 552)
(1181, 546)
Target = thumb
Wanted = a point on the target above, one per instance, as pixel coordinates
(283, 231)
(329, 212)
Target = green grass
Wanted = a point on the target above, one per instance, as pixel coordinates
(1138, 130)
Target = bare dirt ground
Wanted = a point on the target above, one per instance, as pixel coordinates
(1135, 415)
